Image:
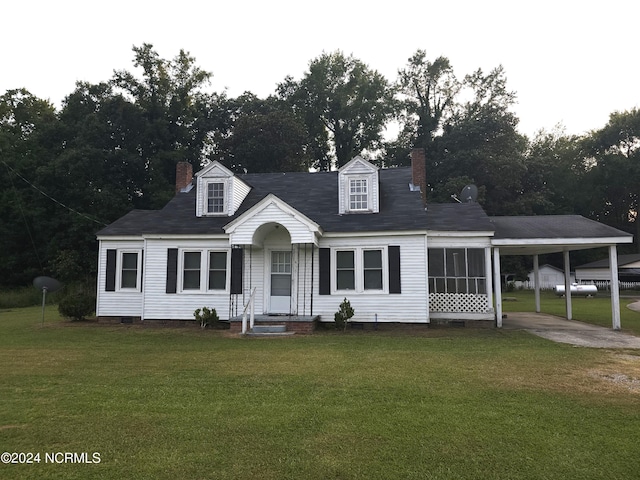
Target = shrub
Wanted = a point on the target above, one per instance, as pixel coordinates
(77, 303)
(206, 316)
(343, 315)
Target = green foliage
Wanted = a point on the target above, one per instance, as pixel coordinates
(343, 315)
(78, 302)
(207, 317)
(345, 106)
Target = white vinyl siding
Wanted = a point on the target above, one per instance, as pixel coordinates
(122, 301)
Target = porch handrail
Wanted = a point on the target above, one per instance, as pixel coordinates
(249, 305)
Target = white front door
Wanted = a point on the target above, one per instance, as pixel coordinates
(280, 285)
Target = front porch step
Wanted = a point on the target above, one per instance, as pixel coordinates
(269, 328)
(270, 334)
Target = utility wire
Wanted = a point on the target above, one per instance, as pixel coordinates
(50, 197)
(24, 217)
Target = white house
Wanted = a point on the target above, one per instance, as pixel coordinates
(549, 277)
(299, 243)
(628, 269)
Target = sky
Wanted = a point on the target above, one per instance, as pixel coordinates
(570, 62)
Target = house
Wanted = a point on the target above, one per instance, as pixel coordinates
(628, 269)
(297, 244)
(549, 277)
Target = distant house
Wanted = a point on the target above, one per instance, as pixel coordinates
(299, 243)
(628, 269)
(549, 275)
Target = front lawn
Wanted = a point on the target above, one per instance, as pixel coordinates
(187, 403)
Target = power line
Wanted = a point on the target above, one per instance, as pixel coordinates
(50, 197)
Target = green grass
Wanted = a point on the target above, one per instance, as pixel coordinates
(596, 310)
(434, 404)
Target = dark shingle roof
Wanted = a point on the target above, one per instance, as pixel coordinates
(457, 217)
(312, 194)
(552, 226)
(622, 260)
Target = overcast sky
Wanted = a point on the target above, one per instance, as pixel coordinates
(570, 62)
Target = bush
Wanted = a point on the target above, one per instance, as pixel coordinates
(77, 303)
(342, 316)
(207, 317)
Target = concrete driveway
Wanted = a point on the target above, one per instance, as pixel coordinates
(573, 332)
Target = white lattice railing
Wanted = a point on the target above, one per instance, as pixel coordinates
(458, 303)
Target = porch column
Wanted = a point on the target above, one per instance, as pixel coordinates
(567, 284)
(487, 268)
(615, 288)
(497, 285)
(536, 281)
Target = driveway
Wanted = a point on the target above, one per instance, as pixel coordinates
(573, 332)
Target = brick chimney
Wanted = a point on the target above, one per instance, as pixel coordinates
(419, 171)
(184, 174)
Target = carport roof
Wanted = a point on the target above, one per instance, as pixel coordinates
(533, 235)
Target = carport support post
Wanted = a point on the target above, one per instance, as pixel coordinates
(615, 290)
(497, 285)
(536, 281)
(567, 284)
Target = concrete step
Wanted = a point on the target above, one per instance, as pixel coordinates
(276, 334)
(269, 329)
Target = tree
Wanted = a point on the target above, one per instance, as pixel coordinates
(266, 137)
(480, 142)
(344, 105)
(612, 165)
(28, 141)
(428, 92)
(178, 117)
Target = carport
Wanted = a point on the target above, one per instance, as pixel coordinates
(537, 235)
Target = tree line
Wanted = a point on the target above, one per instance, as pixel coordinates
(113, 147)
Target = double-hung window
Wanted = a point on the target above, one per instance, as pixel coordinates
(129, 270)
(358, 194)
(217, 270)
(191, 271)
(360, 269)
(215, 197)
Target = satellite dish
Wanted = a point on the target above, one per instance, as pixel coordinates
(469, 194)
(46, 284)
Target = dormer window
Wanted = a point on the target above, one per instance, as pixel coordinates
(215, 197)
(358, 194)
(218, 191)
(358, 189)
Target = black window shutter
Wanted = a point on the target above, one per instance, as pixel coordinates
(172, 270)
(111, 271)
(236, 270)
(394, 269)
(324, 260)
(141, 269)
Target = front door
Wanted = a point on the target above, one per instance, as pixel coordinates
(280, 295)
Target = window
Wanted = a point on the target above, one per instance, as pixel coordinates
(345, 270)
(215, 197)
(129, 270)
(191, 271)
(372, 269)
(217, 270)
(457, 270)
(358, 194)
(361, 269)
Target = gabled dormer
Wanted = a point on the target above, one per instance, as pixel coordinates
(358, 187)
(219, 191)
